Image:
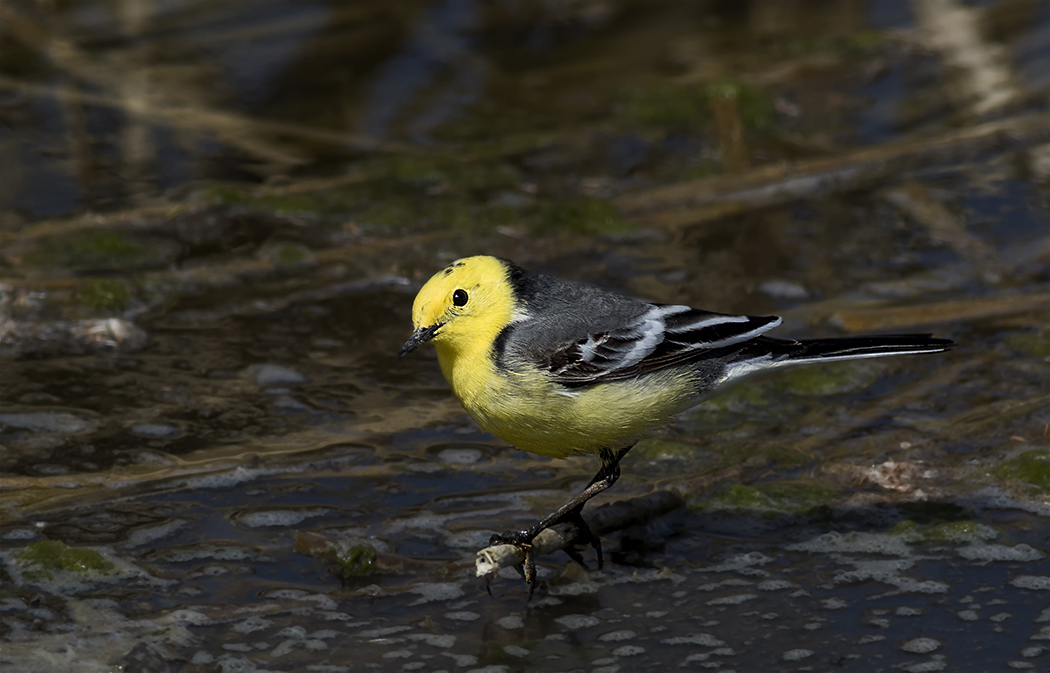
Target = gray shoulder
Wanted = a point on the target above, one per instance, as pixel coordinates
(560, 313)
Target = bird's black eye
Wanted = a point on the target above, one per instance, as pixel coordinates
(459, 298)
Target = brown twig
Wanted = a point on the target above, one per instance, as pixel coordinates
(616, 516)
(707, 199)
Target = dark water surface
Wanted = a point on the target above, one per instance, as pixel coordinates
(214, 217)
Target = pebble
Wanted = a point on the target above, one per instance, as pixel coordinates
(460, 456)
(784, 289)
(61, 422)
(156, 431)
(274, 375)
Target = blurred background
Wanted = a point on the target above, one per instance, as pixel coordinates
(214, 216)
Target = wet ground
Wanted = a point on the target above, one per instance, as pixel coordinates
(209, 243)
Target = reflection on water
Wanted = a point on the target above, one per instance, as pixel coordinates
(214, 218)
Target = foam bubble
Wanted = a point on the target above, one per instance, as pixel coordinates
(281, 518)
(372, 634)
(1033, 582)
(460, 456)
(462, 659)
(855, 542)
(443, 641)
(797, 655)
(437, 591)
(742, 563)
(704, 639)
(146, 534)
(225, 479)
(920, 645)
(988, 553)
(628, 651)
(463, 616)
(510, 622)
(577, 621)
(736, 599)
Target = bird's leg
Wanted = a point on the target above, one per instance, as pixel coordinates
(570, 512)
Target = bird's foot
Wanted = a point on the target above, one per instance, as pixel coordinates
(522, 539)
(583, 536)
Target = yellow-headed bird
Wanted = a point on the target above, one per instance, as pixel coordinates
(561, 368)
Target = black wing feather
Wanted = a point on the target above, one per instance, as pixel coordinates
(662, 337)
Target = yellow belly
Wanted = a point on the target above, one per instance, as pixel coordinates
(528, 411)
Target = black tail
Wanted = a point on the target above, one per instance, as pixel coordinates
(765, 352)
(849, 348)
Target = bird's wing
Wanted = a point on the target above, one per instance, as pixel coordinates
(657, 338)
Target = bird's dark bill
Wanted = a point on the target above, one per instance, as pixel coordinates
(418, 338)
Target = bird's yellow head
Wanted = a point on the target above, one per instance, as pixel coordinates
(463, 307)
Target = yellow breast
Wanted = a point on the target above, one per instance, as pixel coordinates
(525, 409)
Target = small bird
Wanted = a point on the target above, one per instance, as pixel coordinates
(561, 368)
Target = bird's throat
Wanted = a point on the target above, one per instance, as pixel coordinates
(467, 370)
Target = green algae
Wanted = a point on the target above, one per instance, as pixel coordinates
(1031, 467)
(799, 495)
(835, 378)
(672, 107)
(391, 214)
(661, 449)
(591, 216)
(735, 497)
(42, 559)
(954, 532)
(939, 522)
(784, 457)
(225, 193)
(451, 175)
(102, 248)
(1034, 344)
(754, 103)
(358, 560)
(288, 255)
(246, 196)
(676, 108)
(859, 43)
(773, 499)
(105, 295)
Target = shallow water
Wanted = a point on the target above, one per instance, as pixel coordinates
(211, 459)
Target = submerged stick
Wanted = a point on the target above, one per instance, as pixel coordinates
(616, 516)
(711, 198)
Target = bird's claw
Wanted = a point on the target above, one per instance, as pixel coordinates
(521, 539)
